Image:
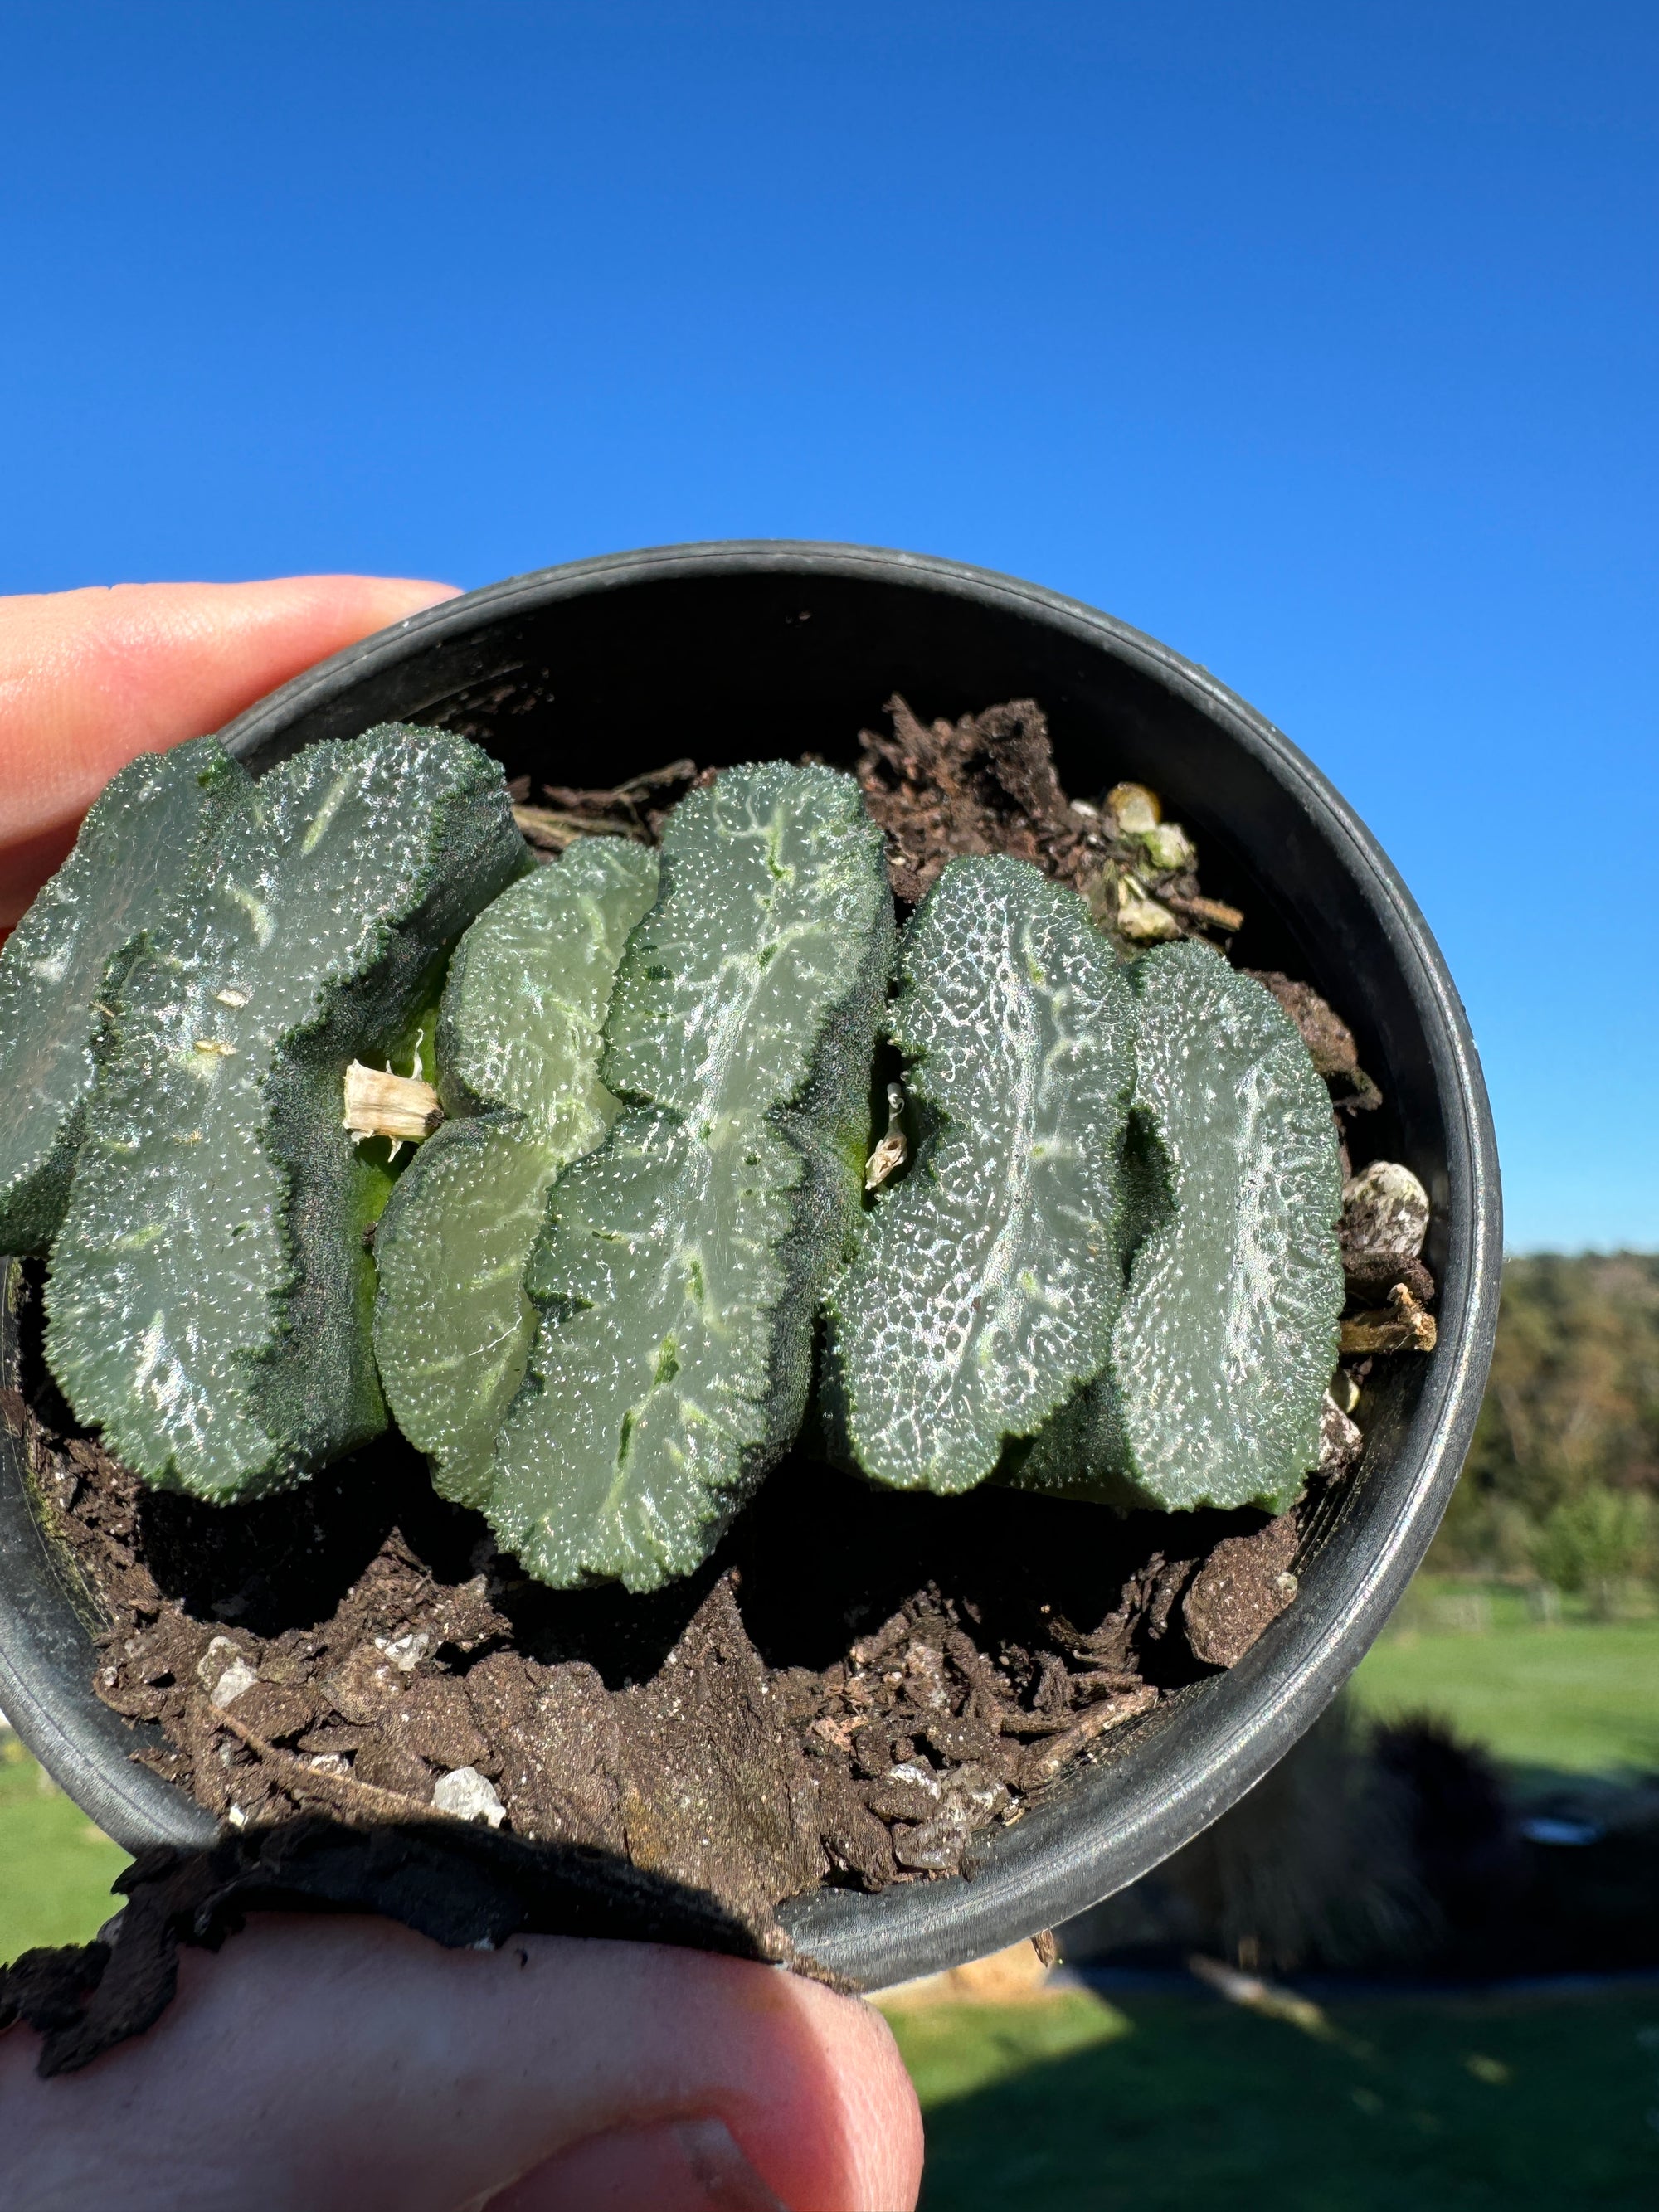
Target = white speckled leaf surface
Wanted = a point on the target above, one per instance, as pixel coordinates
(1228, 1334)
(210, 1297)
(69, 955)
(985, 1285)
(518, 1049)
(682, 1261)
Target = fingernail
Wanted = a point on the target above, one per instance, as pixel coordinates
(681, 2166)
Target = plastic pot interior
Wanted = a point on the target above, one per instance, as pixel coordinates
(592, 672)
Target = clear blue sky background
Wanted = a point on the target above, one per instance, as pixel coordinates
(1319, 341)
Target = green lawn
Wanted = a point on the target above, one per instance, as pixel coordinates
(55, 1867)
(1167, 2103)
(1580, 1698)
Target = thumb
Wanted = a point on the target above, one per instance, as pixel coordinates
(349, 2066)
(89, 678)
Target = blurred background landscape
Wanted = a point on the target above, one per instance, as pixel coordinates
(1323, 345)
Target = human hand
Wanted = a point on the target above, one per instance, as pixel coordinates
(321, 2065)
(89, 678)
(329, 2063)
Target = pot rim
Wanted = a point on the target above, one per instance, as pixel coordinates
(1087, 1840)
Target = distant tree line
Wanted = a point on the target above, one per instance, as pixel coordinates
(1561, 1484)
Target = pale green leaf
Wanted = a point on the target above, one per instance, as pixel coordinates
(682, 1261)
(518, 1049)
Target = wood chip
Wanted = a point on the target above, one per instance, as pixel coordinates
(1213, 914)
(1400, 1325)
(1042, 1764)
(380, 1105)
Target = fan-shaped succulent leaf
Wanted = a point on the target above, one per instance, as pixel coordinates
(63, 964)
(986, 1285)
(1228, 1333)
(682, 1261)
(518, 1038)
(523, 1013)
(1081, 1451)
(210, 1300)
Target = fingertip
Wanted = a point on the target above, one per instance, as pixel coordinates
(89, 678)
(374, 601)
(879, 2120)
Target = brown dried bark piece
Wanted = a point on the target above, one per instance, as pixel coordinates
(965, 1800)
(386, 1762)
(635, 809)
(1329, 1040)
(1400, 1325)
(333, 1739)
(1242, 1587)
(463, 1616)
(276, 1713)
(170, 1650)
(971, 1740)
(1044, 1761)
(850, 1829)
(1159, 1583)
(906, 1792)
(47, 1990)
(1369, 1277)
(367, 1686)
(715, 1786)
(433, 1719)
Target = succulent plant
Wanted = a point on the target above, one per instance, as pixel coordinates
(1111, 1268)
(985, 1287)
(677, 1276)
(63, 963)
(210, 1295)
(1228, 1333)
(518, 1055)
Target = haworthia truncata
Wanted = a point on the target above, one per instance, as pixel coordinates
(210, 1296)
(518, 1052)
(682, 1263)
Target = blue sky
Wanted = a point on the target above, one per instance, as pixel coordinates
(1320, 342)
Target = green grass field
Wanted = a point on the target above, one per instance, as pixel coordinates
(1169, 2104)
(1582, 1697)
(55, 1867)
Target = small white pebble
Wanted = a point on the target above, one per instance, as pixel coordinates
(913, 1771)
(406, 1652)
(1385, 1209)
(237, 1677)
(223, 1673)
(466, 1794)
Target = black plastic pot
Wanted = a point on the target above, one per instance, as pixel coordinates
(597, 671)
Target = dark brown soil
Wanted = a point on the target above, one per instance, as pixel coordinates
(853, 1687)
(854, 1690)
